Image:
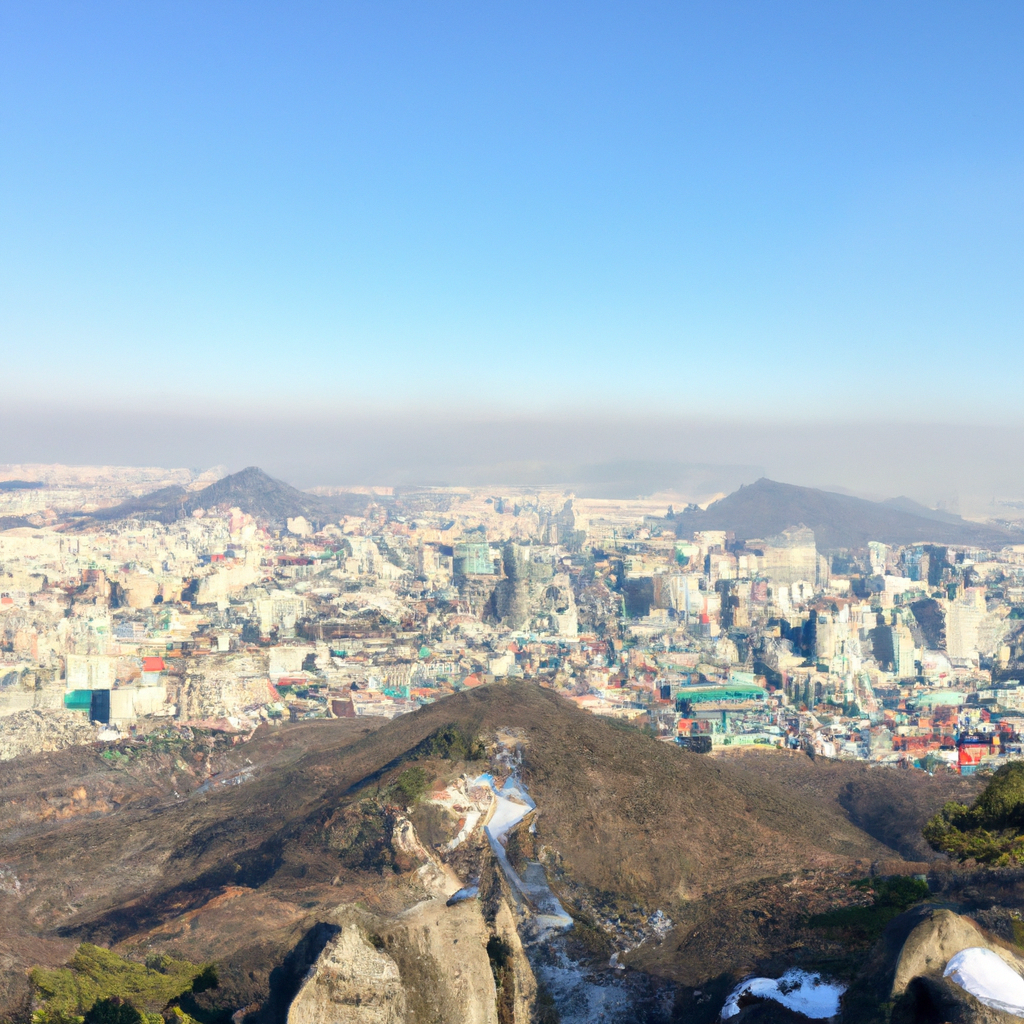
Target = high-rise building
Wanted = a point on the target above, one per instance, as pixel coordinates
(963, 618)
(903, 653)
(473, 558)
(791, 557)
(878, 554)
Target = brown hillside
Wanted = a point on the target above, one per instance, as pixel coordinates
(623, 811)
(135, 852)
(889, 804)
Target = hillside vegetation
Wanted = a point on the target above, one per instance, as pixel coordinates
(96, 974)
(991, 830)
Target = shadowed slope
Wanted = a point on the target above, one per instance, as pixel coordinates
(623, 812)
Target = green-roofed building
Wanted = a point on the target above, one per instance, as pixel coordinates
(938, 698)
(696, 695)
(78, 700)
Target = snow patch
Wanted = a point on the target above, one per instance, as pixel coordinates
(797, 990)
(467, 893)
(511, 804)
(660, 923)
(989, 978)
(472, 819)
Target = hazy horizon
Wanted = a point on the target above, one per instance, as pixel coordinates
(614, 457)
(603, 246)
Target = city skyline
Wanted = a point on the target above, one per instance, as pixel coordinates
(511, 513)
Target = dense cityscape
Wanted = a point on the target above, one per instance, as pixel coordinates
(903, 655)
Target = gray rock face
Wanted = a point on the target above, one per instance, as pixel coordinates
(430, 962)
(351, 983)
(930, 945)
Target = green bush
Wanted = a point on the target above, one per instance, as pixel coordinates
(47, 1016)
(206, 979)
(900, 891)
(96, 974)
(889, 898)
(362, 837)
(1001, 805)
(453, 744)
(112, 1011)
(412, 784)
(991, 830)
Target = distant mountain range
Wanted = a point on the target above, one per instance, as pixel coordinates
(762, 509)
(253, 491)
(766, 508)
(904, 504)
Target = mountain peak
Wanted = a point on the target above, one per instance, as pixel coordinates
(252, 490)
(766, 507)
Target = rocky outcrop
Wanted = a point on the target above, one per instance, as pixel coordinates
(351, 983)
(429, 963)
(409, 851)
(930, 945)
(442, 955)
(32, 732)
(524, 997)
(920, 993)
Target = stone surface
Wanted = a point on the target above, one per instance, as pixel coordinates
(525, 982)
(351, 983)
(920, 993)
(930, 945)
(29, 732)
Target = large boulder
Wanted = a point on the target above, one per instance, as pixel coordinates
(921, 994)
(351, 983)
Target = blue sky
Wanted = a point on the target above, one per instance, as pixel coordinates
(793, 209)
